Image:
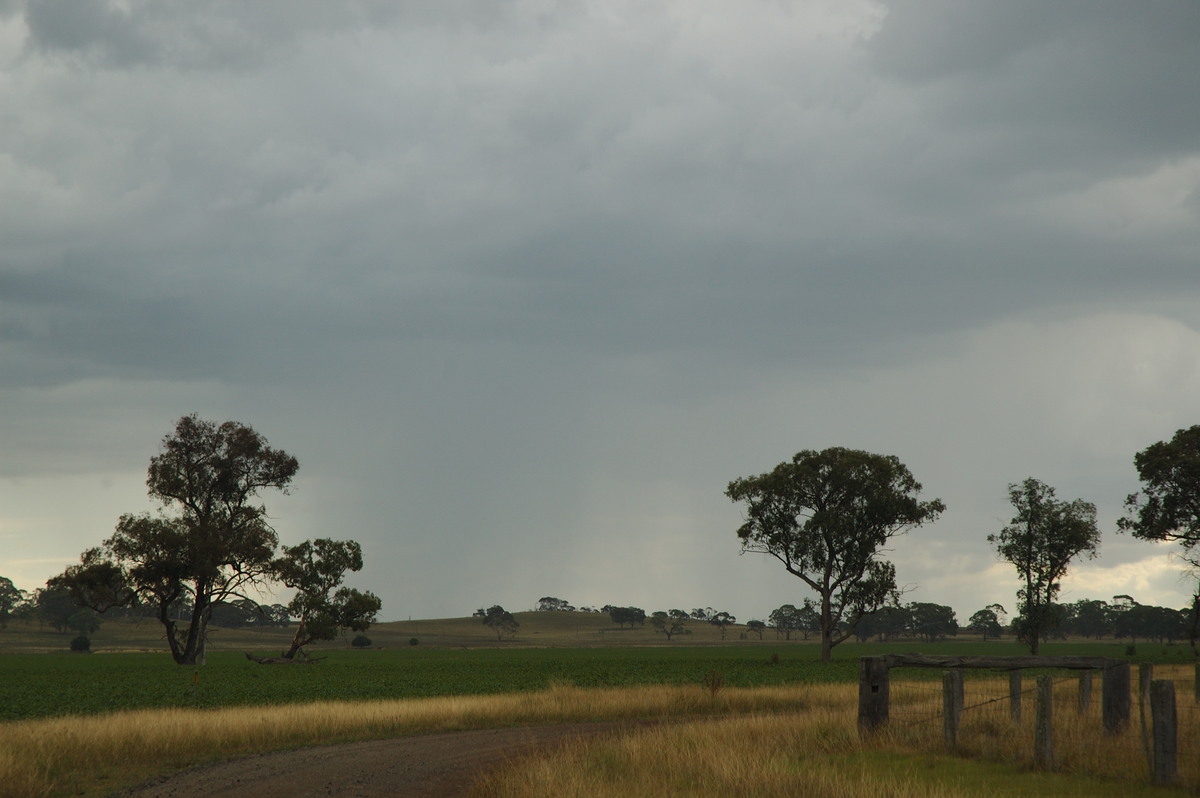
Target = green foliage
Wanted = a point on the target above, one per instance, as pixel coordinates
(930, 622)
(985, 623)
(670, 623)
(722, 620)
(1168, 508)
(10, 597)
(316, 568)
(217, 545)
(81, 644)
(626, 615)
(1042, 539)
(826, 516)
(552, 604)
(361, 641)
(500, 621)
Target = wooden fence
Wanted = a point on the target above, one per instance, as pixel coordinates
(1159, 731)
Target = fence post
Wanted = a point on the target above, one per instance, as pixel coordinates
(1043, 740)
(873, 691)
(1163, 722)
(1145, 676)
(1014, 695)
(1115, 694)
(952, 705)
(1085, 691)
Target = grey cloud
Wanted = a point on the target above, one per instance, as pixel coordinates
(86, 27)
(1069, 86)
(497, 273)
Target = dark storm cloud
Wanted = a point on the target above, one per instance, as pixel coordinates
(1071, 83)
(552, 273)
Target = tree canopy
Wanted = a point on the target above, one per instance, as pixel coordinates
(1042, 539)
(670, 622)
(826, 516)
(499, 620)
(626, 615)
(931, 622)
(215, 548)
(1168, 506)
(10, 598)
(553, 604)
(987, 622)
(316, 570)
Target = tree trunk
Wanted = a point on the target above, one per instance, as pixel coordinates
(826, 646)
(297, 639)
(828, 627)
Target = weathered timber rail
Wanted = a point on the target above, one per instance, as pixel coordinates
(874, 682)
(996, 663)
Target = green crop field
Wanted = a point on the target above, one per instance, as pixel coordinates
(459, 656)
(38, 685)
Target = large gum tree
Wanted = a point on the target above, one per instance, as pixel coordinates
(1168, 506)
(210, 543)
(1041, 540)
(828, 516)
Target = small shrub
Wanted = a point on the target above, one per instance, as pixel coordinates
(361, 641)
(81, 645)
(412, 641)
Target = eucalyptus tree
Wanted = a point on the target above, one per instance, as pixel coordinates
(1168, 506)
(499, 620)
(11, 597)
(324, 607)
(827, 517)
(670, 622)
(217, 546)
(1041, 540)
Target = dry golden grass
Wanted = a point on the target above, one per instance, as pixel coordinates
(93, 755)
(818, 752)
(756, 743)
(1079, 742)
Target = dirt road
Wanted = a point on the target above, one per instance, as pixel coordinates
(430, 766)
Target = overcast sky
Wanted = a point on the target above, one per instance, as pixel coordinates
(525, 285)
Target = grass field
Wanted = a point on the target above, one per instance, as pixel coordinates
(131, 669)
(561, 665)
(540, 629)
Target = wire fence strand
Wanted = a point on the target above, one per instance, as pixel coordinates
(988, 726)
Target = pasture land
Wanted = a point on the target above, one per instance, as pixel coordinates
(63, 715)
(47, 685)
(765, 742)
(40, 685)
(538, 630)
